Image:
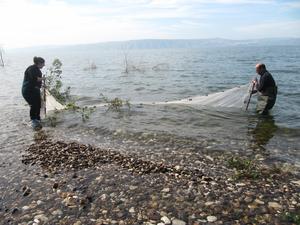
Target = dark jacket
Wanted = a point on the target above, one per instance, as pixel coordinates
(30, 82)
(266, 85)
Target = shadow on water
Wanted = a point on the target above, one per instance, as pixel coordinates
(262, 129)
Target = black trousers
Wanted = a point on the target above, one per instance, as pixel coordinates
(33, 98)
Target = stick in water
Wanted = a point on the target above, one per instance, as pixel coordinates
(44, 96)
(250, 96)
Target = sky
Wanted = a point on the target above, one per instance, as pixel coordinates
(25, 23)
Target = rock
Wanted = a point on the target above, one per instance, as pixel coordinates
(296, 182)
(131, 210)
(39, 202)
(57, 212)
(27, 192)
(248, 199)
(77, 223)
(132, 187)
(41, 217)
(211, 218)
(24, 208)
(178, 222)
(208, 203)
(166, 220)
(259, 202)
(166, 190)
(55, 186)
(14, 211)
(274, 205)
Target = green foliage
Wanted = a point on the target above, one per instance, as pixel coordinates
(72, 106)
(291, 217)
(54, 83)
(244, 168)
(116, 104)
(86, 112)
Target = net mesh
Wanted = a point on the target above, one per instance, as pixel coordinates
(236, 97)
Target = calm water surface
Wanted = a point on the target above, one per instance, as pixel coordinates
(162, 75)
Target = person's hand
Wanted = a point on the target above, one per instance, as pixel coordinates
(254, 81)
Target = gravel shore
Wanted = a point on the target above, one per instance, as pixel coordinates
(73, 183)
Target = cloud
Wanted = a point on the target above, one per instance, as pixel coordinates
(271, 29)
(31, 22)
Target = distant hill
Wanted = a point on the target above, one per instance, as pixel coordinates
(176, 43)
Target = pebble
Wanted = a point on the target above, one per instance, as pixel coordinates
(55, 186)
(208, 203)
(39, 202)
(131, 210)
(166, 220)
(259, 202)
(166, 190)
(14, 211)
(211, 218)
(24, 208)
(40, 217)
(57, 212)
(296, 182)
(77, 223)
(178, 222)
(274, 205)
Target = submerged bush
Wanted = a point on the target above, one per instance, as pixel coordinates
(54, 84)
(116, 104)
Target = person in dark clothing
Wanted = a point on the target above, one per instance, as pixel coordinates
(266, 88)
(31, 90)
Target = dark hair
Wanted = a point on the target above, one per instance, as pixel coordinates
(38, 60)
(262, 66)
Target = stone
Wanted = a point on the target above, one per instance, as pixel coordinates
(132, 187)
(27, 192)
(296, 182)
(131, 210)
(39, 202)
(259, 202)
(24, 208)
(274, 205)
(166, 220)
(178, 222)
(248, 199)
(208, 203)
(41, 217)
(57, 212)
(77, 223)
(211, 219)
(55, 186)
(166, 190)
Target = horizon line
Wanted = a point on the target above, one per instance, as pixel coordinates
(142, 39)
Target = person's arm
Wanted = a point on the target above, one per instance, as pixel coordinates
(254, 89)
(260, 86)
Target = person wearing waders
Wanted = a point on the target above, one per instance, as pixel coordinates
(31, 90)
(266, 88)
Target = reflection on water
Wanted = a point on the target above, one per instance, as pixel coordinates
(263, 131)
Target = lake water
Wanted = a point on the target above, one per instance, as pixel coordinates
(162, 75)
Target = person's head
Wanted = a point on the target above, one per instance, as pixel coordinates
(260, 68)
(39, 62)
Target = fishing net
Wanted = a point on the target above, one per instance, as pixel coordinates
(236, 97)
(51, 103)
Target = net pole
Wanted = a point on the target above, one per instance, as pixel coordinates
(250, 96)
(44, 96)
